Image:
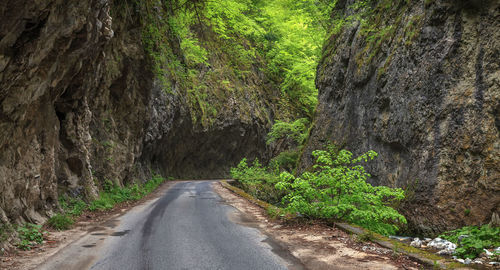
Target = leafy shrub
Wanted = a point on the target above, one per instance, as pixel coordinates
(257, 180)
(30, 235)
(338, 190)
(296, 131)
(60, 222)
(285, 160)
(478, 238)
(72, 206)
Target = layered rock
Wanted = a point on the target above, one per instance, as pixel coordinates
(51, 56)
(419, 83)
(80, 105)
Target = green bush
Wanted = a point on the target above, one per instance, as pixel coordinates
(72, 206)
(286, 160)
(30, 235)
(60, 222)
(296, 131)
(478, 238)
(338, 190)
(257, 180)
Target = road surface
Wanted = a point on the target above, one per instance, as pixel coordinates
(188, 227)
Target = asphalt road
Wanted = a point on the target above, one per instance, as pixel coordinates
(189, 227)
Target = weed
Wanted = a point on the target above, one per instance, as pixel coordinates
(60, 222)
(366, 236)
(5, 231)
(30, 235)
(478, 238)
(72, 206)
(273, 212)
(395, 250)
(110, 195)
(113, 194)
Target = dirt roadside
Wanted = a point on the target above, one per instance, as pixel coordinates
(55, 241)
(317, 246)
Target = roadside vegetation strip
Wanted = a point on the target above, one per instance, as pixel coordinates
(418, 255)
(111, 195)
(335, 188)
(242, 193)
(31, 235)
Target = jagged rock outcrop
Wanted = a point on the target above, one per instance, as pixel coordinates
(419, 83)
(79, 104)
(51, 55)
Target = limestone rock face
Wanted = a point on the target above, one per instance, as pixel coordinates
(79, 105)
(423, 90)
(51, 54)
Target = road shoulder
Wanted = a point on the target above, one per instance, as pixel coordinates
(316, 245)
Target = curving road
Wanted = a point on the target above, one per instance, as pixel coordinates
(189, 227)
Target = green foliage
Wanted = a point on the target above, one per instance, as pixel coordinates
(76, 207)
(286, 160)
(194, 45)
(72, 207)
(292, 45)
(114, 194)
(60, 221)
(249, 174)
(150, 185)
(478, 238)
(366, 237)
(296, 131)
(110, 195)
(29, 235)
(338, 190)
(257, 180)
(231, 19)
(335, 190)
(194, 53)
(5, 231)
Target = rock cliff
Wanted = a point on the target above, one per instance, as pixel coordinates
(419, 83)
(80, 103)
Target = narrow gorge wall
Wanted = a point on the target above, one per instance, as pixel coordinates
(79, 104)
(419, 83)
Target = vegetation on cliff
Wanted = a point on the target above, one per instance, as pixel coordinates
(213, 50)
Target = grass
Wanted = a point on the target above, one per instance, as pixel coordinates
(5, 231)
(367, 236)
(31, 235)
(60, 222)
(113, 194)
(110, 195)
